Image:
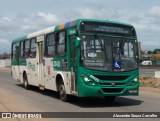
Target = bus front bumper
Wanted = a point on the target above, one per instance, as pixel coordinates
(97, 91)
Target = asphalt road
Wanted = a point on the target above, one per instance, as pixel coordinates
(13, 97)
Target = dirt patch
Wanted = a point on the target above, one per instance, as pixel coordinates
(5, 69)
(150, 89)
(150, 82)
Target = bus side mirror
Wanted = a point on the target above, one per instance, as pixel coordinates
(77, 42)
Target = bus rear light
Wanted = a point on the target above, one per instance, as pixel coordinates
(133, 91)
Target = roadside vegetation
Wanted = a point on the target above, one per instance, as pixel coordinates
(150, 82)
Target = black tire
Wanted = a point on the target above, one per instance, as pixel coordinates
(110, 98)
(62, 92)
(25, 82)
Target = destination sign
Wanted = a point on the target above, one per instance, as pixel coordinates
(110, 28)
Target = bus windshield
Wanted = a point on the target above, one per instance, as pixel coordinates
(102, 53)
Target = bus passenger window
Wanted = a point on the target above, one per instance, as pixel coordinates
(61, 44)
(14, 51)
(50, 45)
(27, 46)
(33, 48)
(22, 50)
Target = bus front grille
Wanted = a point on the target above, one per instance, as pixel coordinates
(112, 90)
(115, 78)
(110, 84)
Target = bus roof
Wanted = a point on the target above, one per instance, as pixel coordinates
(63, 26)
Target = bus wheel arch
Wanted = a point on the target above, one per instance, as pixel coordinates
(61, 88)
(25, 80)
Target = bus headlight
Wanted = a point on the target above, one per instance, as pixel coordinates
(91, 83)
(133, 82)
(88, 81)
(135, 79)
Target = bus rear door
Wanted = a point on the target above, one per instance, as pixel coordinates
(40, 41)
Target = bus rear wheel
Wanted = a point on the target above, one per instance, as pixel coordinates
(25, 82)
(62, 92)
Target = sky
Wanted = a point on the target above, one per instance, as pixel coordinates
(21, 17)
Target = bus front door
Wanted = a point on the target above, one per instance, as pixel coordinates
(40, 40)
(73, 66)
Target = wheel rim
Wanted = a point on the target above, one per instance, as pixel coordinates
(62, 91)
(25, 83)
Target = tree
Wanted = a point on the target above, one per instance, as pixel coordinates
(156, 51)
(150, 52)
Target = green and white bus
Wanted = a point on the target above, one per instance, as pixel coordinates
(84, 58)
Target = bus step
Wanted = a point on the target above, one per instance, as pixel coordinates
(41, 87)
(74, 93)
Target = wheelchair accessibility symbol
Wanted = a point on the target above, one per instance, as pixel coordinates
(117, 65)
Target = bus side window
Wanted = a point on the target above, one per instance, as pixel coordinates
(32, 50)
(22, 50)
(61, 40)
(27, 48)
(13, 51)
(50, 45)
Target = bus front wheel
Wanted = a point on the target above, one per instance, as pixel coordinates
(62, 92)
(25, 82)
